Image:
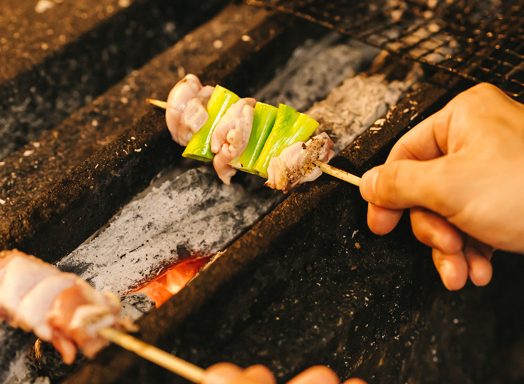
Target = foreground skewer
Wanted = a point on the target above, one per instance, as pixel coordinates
(34, 295)
(335, 172)
(166, 360)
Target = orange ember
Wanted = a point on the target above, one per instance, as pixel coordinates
(172, 280)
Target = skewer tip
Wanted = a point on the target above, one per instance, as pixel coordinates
(157, 103)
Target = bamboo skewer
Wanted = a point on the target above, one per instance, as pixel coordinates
(338, 173)
(155, 355)
(335, 172)
(157, 103)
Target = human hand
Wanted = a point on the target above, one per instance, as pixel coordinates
(225, 373)
(461, 174)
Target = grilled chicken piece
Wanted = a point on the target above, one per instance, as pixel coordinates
(295, 166)
(186, 108)
(231, 136)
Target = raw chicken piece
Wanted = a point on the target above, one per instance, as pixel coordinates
(31, 314)
(20, 274)
(59, 307)
(32, 311)
(231, 136)
(5, 257)
(186, 108)
(295, 166)
(76, 316)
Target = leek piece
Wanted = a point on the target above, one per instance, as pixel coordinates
(263, 122)
(199, 147)
(290, 126)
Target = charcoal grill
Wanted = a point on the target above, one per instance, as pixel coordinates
(308, 284)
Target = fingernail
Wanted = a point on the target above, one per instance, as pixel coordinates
(367, 186)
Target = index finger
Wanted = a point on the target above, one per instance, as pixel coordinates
(426, 141)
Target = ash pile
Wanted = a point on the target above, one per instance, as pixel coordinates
(90, 181)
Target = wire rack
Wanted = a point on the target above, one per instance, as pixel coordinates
(481, 40)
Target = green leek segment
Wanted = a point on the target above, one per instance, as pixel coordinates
(290, 126)
(199, 147)
(263, 121)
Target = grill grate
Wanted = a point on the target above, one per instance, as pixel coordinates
(479, 40)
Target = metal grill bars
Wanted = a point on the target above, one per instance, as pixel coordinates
(481, 40)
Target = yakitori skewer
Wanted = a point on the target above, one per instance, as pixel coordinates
(335, 172)
(61, 308)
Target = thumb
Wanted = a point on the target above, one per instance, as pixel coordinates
(405, 184)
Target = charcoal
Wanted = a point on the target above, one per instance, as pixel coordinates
(15, 363)
(135, 305)
(314, 69)
(49, 362)
(354, 106)
(195, 212)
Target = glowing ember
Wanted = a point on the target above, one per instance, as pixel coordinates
(172, 280)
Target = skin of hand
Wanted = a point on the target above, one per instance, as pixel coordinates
(226, 373)
(461, 174)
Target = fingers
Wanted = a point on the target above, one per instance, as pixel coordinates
(226, 373)
(455, 258)
(354, 381)
(453, 269)
(316, 375)
(435, 231)
(447, 243)
(426, 141)
(478, 256)
(222, 373)
(260, 374)
(409, 183)
(382, 220)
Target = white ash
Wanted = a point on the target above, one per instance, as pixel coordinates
(193, 214)
(135, 305)
(314, 69)
(354, 106)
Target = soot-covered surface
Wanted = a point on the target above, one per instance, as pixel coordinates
(192, 215)
(59, 56)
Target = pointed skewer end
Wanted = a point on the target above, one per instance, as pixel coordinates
(157, 103)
